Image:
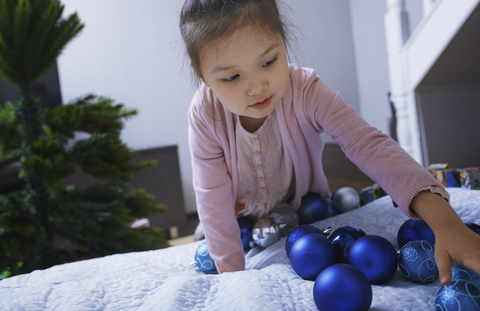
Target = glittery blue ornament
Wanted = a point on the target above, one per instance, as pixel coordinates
(246, 225)
(342, 287)
(296, 233)
(375, 256)
(310, 254)
(203, 260)
(460, 272)
(458, 295)
(473, 226)
(417, 261)
(412, 230)
(314, 207)
(343, 238)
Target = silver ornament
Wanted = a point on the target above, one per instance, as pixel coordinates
(346, 199)
(265, 232)
(285, 216)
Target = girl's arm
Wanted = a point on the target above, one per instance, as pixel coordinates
(455, 243)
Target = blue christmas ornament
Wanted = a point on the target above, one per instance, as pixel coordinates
(246, 225)
(332, 209)
(412, 230)
(203, 260)
(417, 261)
(298, 232)
(460, 272)
(343, 238)
(458, 295)
(311, 254)
(375, 256)
(342, 287)
(473, 226)
(314, 207)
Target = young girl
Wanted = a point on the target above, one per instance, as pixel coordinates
(254, 135)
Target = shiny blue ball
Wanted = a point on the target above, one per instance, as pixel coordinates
(342, 287)
(375, 256)
(458, 295)
(417, 261)
(311, 254)
(460, 272)
(473, 226)
(412, 230)
(298, 232)
(203, 260)
(314, 207)
(246, 225)
(343, 238)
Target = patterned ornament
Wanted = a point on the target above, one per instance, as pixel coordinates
(473, 226)
(310, 254)
(314, 207)
(412, 230)
(301, 231)
(342, 287)
(343, 238)
(286, 217)
(460, 272)
(265, 232)
(246, 225)
(375, 256)
(203, 260)
(346, 199)
(417, 261)
(458, 295)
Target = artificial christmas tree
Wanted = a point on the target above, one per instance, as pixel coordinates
(44, 223)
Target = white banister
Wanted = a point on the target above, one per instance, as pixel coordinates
(397, 31)
(427, 7)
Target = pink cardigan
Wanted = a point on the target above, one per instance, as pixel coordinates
(308, 108)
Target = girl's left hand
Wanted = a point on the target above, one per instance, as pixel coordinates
(455, 243)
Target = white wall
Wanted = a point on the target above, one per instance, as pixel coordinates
(132, 53)
(367, 18)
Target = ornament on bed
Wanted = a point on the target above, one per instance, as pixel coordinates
(458, 295)
(460, 272)
(265, 232)
(203, 260)
(343, 238)
(416, 261)
(412, 230)
(375, 256)
(246, 225)
(473, 226)
(311, 254)
(286, 217)
(314, 207)
(346, 199)
(301, 231)
(342, 287)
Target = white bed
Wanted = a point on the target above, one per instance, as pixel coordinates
(164, 279)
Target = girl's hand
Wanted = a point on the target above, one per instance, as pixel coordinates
(455, 243)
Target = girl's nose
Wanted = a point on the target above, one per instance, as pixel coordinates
(257, 87)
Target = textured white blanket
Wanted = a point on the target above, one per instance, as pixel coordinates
(164, 279)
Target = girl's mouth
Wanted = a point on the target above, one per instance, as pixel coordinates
(263, 104)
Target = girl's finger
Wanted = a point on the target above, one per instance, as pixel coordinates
(444, 265)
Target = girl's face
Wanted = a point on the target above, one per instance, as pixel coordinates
(248, 72)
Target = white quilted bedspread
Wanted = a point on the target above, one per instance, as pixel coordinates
(164, 279)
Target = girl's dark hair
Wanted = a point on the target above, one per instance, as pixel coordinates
(205, 21)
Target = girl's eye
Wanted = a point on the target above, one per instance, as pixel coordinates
(270, 62)
(232, 78)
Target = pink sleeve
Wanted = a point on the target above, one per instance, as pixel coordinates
(213, 189)
(375, 153)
